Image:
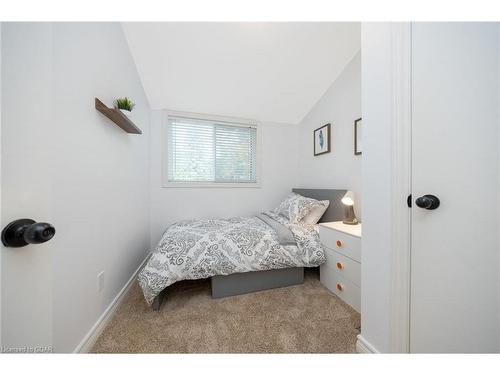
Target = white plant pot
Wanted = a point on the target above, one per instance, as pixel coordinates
(126, 113)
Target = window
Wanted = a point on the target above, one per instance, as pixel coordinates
(203, 151)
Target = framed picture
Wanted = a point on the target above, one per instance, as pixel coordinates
(322, 140)
(357, 137)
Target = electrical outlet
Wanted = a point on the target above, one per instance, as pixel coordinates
(100, 282)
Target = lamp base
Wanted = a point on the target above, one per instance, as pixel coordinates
(350, 217)
(353, 222)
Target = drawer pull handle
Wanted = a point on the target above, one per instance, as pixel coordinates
(340, 287)
(339, 243)
(340, 265)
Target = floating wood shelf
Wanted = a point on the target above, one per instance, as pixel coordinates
(117, 117)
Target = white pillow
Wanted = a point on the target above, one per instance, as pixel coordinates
(315, 214)
(295, 207)
(283, 208)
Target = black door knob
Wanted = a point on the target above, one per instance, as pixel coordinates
(428, 201)
(22, 232)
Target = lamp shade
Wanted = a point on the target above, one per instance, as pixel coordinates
(348, 198)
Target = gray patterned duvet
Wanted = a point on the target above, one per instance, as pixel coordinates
(196, 249)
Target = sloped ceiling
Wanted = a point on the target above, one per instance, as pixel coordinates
(264, 71)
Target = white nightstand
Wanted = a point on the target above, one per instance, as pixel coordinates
(342, 271)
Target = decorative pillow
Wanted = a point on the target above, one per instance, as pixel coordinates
(295, 207)
(284, 206)
(315, 214)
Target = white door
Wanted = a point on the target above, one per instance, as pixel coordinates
(454, 255)
(26, 183)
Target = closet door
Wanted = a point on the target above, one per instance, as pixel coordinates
(454, 255)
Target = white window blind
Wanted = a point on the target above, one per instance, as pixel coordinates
(210, 151)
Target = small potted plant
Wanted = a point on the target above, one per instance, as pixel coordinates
(125, 105)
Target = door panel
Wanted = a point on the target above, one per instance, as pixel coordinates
(454, 260)
(26, 181)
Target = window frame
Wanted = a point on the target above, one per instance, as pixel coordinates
(212, 184)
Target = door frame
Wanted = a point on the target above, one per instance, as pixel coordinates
(401, 42)
(1, 224)
(388, 48)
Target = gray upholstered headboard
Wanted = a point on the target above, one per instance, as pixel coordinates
(335, 211)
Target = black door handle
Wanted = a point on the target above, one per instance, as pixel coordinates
(428, 201)
(22, 232)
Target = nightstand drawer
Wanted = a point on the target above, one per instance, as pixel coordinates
(344, 266)
(345, 244)
(343, 288)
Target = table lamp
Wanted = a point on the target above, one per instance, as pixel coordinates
(348, 202)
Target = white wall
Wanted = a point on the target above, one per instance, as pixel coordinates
(287, 161)
(340, 106)
(111, 181)
(278, 177)
(99, 174)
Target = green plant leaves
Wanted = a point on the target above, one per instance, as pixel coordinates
(124, 103)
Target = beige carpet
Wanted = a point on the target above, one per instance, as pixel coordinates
(306, 318)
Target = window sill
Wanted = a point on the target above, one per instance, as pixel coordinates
(211, 185)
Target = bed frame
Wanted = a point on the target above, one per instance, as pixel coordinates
(248, 282)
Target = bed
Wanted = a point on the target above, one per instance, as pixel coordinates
(241, 254)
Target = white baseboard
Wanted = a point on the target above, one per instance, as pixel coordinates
(91, 337)
(363, 346)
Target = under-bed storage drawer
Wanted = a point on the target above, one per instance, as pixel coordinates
(344, 243)
(344, 266)
(345, 289)
(248, 282)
